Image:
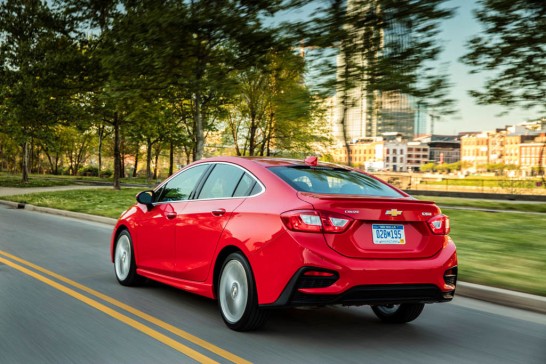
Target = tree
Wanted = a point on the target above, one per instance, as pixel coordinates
(379, 47)
(30, 32)
(271, 107)
(513, 47)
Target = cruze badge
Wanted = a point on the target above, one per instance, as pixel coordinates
(393, 212)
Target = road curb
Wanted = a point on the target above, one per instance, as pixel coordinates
(502, 297)
(483, 293)
(75, 215)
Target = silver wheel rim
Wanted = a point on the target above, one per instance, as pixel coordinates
(123, 257)
(388, 309)
(233, 291)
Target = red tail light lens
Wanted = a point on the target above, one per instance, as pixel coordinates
(439, 224)
(316, 221)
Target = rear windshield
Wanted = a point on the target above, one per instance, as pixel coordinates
(333, 181)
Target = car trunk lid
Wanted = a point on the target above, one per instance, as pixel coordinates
(383, 228)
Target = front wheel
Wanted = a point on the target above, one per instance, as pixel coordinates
(237, 296)
(124, 261)
(398, 314)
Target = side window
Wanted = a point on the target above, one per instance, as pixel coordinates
(256, 189)
(180, 187)
(221, 182)
(244, 188)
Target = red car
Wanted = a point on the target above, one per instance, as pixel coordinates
(262, 233)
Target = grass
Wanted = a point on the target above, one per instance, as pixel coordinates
(39, 180)
(102, 202)
(500, 249)
(8, 180)
(446, 202)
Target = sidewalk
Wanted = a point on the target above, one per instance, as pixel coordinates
(484, 293)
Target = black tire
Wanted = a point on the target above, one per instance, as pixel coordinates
(124, 261)
(237, 295)
(398, 314)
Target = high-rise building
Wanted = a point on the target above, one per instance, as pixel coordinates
(369, 114)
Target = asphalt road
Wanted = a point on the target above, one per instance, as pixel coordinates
(60, 303)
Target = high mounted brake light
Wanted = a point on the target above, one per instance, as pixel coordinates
(311, 161)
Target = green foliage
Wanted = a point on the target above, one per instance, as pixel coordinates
(428, 167)
(511, 46)
(385, 45)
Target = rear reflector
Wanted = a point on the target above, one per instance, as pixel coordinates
(318, 273)
(316, 221)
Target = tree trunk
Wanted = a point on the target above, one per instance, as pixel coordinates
(24, 162)
(122, 156)
(171, 158)
(252, 136)
(199, 131)
(149, 158)
(101, 136)
(136, 161)
(156, 160)
(117, 154)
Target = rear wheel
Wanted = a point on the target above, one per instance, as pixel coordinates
(398, 314)
(237, 297)
(124, 261)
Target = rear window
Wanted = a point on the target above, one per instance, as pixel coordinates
(333, 181)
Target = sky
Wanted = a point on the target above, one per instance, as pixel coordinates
(471, 116)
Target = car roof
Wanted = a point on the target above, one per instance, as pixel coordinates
(271, 161)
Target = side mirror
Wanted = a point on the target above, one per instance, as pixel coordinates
(146, 198)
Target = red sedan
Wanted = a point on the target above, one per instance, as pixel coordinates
(262, 233)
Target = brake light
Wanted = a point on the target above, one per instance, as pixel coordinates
(313, 221)
(439, 224)
(311, 161)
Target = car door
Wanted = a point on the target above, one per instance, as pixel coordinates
(203, 219)
(156, 249)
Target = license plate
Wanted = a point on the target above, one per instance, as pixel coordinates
(388, 234)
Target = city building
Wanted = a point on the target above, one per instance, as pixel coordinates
(363, 113)
(520, 148)
(418, 154)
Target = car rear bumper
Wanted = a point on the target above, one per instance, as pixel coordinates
(371, 282)
(292, 296)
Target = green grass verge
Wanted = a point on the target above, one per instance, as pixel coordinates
(446, 202)
(100, 201)
(39, 180)
(7, 180)
(500, 249)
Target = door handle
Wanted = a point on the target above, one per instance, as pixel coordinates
(218, 212)
(170, 215)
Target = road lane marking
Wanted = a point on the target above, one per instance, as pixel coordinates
(115, 314)
(166, 326)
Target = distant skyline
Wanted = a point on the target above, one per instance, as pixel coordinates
(471, 116)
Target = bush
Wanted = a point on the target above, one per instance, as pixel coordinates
(106, 173)
(88, 171)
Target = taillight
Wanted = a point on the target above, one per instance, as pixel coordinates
(439, 224)
(313, 221)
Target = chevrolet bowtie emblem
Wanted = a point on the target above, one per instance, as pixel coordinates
(393, 212)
